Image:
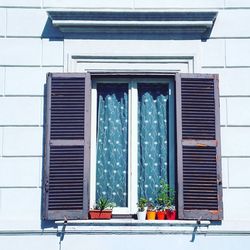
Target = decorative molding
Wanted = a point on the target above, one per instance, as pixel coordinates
(192, 24)
(80, 63)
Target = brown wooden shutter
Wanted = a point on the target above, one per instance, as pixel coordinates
(66, 177)
(198, 147)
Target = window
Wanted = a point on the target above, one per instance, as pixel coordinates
(183, 106)
(135, 139)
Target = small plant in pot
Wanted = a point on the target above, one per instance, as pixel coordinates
(151, 213)
(171, 210)
(166, 201)
(102, 210)
(160, 212)
(162, 199)
(142, 209)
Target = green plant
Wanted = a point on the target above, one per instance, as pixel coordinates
(166, 197)
(171, 199)
(142, 204)
(162, 197)
(103, 203)
(151, 206)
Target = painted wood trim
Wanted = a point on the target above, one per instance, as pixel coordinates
(47, 146)
(198, 213)
(87, 146)
(218, 140)
(179, 157)
(78, 213)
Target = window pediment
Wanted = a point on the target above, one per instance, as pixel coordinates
(169, 24)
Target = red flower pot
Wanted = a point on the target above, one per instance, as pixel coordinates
(171, 214)
(160, 215)
(100, 215)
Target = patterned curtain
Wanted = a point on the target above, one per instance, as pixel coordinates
(153, 143)
(112, 143)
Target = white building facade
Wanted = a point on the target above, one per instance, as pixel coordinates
(34, 41)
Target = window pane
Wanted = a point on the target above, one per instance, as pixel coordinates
(153, 143)
(112, 143)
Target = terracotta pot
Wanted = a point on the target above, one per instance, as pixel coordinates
(100, 215)
(160, 215)
(171, 214)
(151, 215)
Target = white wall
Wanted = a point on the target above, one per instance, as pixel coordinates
(124, 242)
(25, 58)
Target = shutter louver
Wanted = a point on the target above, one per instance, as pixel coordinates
(67, 146)
(198, 147)
(67, 109)
(66, 177)
(198, 109)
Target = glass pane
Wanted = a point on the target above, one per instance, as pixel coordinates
(152, 138)
(112, 143)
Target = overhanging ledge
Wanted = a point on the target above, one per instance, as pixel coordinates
(131, 226)
(196, 24)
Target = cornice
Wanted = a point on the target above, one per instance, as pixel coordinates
(193, 23)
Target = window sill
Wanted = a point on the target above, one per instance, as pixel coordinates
(131, 222)
(131, 226)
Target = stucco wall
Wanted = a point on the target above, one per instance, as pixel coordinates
(26, 57)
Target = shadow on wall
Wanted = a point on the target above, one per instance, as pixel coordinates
(44, 223)
(50, 32)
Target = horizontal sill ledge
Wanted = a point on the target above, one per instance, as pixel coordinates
(132, 222)
(132, 23)
(130, 226)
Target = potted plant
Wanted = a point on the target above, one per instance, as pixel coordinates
(141, 214)
(160, 212)
(171, 211)
(162, 199)
(151, 213)
(166, 201)
(102, 209)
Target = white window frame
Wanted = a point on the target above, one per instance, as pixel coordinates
(132, 137)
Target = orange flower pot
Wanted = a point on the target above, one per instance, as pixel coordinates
(160, 215)
(151, 215)
(100, 215)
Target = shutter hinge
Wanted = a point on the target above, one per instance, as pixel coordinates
(47, 186)
(169, 92)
